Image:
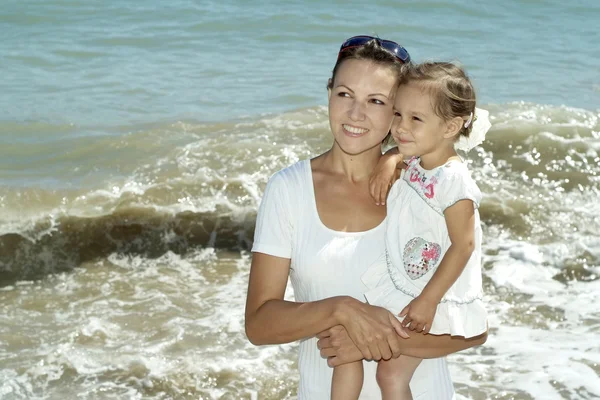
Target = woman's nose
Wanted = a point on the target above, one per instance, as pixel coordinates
(357, 112)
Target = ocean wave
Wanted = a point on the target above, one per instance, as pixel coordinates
(186, 185)
(61, 243)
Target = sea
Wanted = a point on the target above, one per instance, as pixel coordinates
(136, 139)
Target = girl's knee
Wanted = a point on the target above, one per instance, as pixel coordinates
(388, 374)
(396, 373)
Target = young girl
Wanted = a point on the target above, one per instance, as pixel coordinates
(430, 275)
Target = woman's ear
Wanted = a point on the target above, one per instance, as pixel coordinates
(329, 86)
(453, 127)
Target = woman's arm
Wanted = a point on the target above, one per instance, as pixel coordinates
(272, 320)
(338, 348)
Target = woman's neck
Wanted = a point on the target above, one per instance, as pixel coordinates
(354, 167)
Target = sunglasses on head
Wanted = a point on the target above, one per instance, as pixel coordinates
(393, 47)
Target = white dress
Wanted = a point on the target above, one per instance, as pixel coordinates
(326, 263)
(417, 239)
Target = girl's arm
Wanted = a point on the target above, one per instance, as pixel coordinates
(460, 221)
(386, 172)
(338, 348)
(272, 320)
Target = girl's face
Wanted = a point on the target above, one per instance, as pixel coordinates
(417, 129)
(361, 105)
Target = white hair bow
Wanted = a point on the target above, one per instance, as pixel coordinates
(481, 124)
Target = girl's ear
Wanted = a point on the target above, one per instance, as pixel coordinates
(453, 127)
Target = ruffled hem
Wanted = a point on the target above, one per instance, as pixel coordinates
(462, 318)
(382, 272)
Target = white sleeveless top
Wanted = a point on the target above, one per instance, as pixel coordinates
(417, 240)
(327, 263)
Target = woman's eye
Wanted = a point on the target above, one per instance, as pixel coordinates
(343, 94)
(376, 101)
(397, 114)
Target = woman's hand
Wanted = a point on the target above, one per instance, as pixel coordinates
(375, 331)
(384, 175)
(337, 347)
(418, 314)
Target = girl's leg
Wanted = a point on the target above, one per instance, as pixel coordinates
(393, 377)
(347, 381)
(421, 346)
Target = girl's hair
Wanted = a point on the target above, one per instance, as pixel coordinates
(370, 51)
(450, 87)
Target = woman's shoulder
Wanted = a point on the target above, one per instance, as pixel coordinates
(292, 175)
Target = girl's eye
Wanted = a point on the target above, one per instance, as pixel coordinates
(417, 119)
(397, 114)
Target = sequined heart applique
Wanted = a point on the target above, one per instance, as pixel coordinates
(420, 256)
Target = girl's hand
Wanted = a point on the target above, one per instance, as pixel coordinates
(374, 330)
(384, 175)
(418, 314)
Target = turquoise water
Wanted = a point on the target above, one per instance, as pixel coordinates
(136, 139)
(105, 65)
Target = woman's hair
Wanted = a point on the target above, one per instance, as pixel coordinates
(370, 51)
(450, 88)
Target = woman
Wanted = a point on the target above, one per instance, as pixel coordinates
(318, 224)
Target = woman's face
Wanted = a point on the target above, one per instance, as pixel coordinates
(361, 105)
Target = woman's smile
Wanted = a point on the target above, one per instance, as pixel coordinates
(354, 131)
